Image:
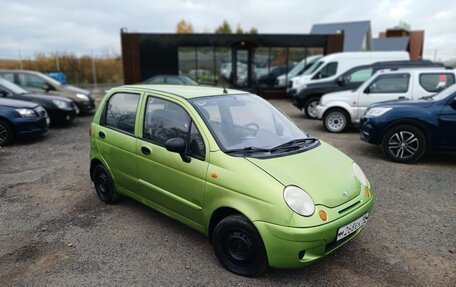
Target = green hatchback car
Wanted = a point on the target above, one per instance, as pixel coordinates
(230, 165)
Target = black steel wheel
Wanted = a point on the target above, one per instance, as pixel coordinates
(6, 133)
(239, 247)
(104, 185)
(310, 107)
(404, 144)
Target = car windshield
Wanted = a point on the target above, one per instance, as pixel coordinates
(188, 81)
(445, 93)
(12, 87)
(247, 123)
(313, 68)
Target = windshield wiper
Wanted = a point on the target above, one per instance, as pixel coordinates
(249, 149)
(294, 142)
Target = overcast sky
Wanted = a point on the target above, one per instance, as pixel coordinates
(80, 26)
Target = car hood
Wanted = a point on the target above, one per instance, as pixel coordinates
(46, 97)
(346, 96)
(74, 89)
(324, 172)
(404, 103)
(17, 104)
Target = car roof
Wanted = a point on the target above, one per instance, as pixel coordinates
(415, 69)
(184, 91)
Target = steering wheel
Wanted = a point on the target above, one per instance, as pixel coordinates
(251, 128)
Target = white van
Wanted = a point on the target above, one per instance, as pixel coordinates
(340, 109)
(300, 68)
(333, 65)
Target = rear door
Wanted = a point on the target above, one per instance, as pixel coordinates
(174, 186)
(115, 138)
(385, 87)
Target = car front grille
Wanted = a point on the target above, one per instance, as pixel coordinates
(41, 111)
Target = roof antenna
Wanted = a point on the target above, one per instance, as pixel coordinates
(224, 89)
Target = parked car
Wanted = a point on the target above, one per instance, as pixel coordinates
(406, 129)
(297, 70)
(307, 99)
(270, 78)
(60, 110)
(333, 65)
(37, 82)
(21, 120)
(171, 80)
(262, 190)
(341, 109)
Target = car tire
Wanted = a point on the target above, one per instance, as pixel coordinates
(6, 133)
(404, 144)
(336, 120)
(104, 185)
(239, 247)
(310, 107)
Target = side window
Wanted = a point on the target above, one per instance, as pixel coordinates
(435, 82)
(31, 81)
(327, 71)
(396, 83)
(359, 76)
(121, 112)
(165, 120)
(8, 76)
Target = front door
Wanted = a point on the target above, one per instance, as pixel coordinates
(447, 120)
(175, 187)
(383, 88)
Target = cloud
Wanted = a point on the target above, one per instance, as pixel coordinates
(83, 27)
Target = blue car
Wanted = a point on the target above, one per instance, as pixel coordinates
(406, 129)
(21, 120)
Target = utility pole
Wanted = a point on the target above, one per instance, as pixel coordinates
(57, 62)
(94, 72)
(20, 59)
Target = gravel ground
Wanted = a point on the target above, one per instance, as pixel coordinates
(55, 232)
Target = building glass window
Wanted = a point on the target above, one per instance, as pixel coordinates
(187, 61)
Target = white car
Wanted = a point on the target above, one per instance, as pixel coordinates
(300, 68)
(340, 109)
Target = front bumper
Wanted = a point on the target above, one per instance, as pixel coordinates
(371, 130)
(86, 106)
(62, 116)
(321, 110)
(291, 247)
(26, 128)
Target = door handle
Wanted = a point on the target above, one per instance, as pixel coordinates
(401, 98)
(145, 150)
(101, 134)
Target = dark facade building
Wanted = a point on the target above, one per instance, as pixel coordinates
(236, 60)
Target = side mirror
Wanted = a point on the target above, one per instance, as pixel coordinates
(341, 81)
(47, 87)
(453, 103)
(178, 145)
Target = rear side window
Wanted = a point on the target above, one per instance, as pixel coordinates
(8, 76)
(120, 112)
(396, 83)
(435, 82)
(31, 81)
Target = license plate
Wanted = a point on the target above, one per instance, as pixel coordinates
(348, 229)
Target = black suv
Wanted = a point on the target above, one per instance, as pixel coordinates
(309, 97)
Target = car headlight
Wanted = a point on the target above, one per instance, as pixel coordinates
(61, 104)
(360, 175)
(82, 97)
(298, 200)
(27, 113)
(376, 112)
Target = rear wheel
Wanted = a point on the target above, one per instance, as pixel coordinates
(310, 107)
(404, 144)
(104, 185)
(239, 247)
(6, 133)
(336, 120)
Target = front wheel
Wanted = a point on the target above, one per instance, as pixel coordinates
(310, 108)
(239, 247)
(6, 133)
(336, 120)
(404, 144)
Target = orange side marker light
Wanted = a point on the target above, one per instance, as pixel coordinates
(323, 215)
(214, 175)
(366, 192)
